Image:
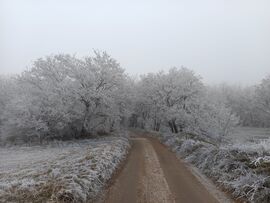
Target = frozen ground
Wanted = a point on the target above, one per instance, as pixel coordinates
(243, 134)
(250, 139)
(59, 172)
(152, 174)
(14, 158)
(241, 167)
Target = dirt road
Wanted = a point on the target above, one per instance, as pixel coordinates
(153, 174)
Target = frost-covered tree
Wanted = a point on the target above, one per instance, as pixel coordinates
(6, 94)
(249, 103)
(41, 107)
(179, 101)
(212, 118)
(98, 81)
(62, 96)
(263, 96)
(179, 91)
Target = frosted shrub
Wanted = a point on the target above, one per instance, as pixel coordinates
(261, 147)
(188, 146)
(76, 175)
(238, 169)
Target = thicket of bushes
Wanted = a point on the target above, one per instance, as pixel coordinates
(242, 171)
(78, 174)
(63, 97)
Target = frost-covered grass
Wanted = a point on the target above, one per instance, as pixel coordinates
(245, 134)
(59, 172)
(262, 147)
(243, 170)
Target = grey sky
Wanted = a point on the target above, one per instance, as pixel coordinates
(223, 41)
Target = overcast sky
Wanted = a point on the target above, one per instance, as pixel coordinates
(222, 40)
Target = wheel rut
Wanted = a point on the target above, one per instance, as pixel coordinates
(153, 174)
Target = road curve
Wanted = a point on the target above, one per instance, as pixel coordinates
(153, 174)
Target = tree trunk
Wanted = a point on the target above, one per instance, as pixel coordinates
(111, 126)
(181, 128)
(175, 127)
(83, 129)
(157, 126)
(171, 126)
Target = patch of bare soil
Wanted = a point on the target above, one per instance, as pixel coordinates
(153, 174)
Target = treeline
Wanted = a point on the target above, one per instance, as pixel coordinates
(251, 104)
(179, 101)
(64, 97)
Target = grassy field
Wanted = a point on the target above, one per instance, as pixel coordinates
(249, 134)
(73, 171)
(250, 139)
(240, 166)
(16, 157)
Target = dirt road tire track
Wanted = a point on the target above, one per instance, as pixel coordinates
(153, 174)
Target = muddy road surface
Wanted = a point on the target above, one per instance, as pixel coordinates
(153, 174)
